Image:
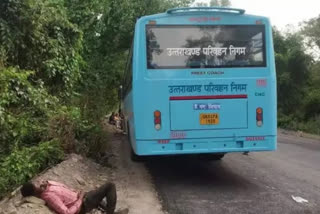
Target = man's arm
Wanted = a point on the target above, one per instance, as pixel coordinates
(55, 203)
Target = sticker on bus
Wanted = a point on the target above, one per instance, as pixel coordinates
(208, 106)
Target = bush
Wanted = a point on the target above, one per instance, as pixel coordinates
(24, 163)
(312, 104)
(294, 123)
(38, 35)
(95, 141)
(77, 134)
(25, 108)
(311, 126)
(287, 122)
(62, 126)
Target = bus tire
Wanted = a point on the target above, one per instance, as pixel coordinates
(128, 133)
(134, 157)
(211, 157)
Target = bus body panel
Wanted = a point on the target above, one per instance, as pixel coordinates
(184, 113)
(209, 145)
(181, 132)
(144, 113)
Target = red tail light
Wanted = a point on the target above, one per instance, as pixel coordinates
(259, 116)
(157, 120)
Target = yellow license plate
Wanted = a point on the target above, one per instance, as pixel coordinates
(209, 119)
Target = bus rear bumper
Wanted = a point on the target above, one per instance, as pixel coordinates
(198, 146)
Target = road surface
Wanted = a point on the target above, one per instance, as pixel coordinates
(258, 183)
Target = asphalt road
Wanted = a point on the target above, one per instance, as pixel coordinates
(258, 183)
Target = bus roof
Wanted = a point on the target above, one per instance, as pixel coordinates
(205, 9)
(183, 11)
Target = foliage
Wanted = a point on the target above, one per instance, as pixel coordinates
(215, 3)
(298, 79)
(63, 126)
(108, 27)
(311, 30)
(24, 109)
(312, 104)
(37, 35)
(93, 141)
(222, 3)
(23, 163)
(61, 63)
(293, 66)
(77, 134)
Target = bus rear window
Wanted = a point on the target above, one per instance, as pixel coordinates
(214, 46)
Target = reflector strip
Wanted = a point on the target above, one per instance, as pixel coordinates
(163, 141)
(237, 96)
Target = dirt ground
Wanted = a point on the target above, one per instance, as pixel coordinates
(135, 190)
(135, 187)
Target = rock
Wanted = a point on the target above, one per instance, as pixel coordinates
(80, 180)
(75, 158)
(76, 172)
(123, 211)
(18, 203)
(14, 193)
(30, 205)
(55, 171)
(34, 200)
(24, 206)
(3, 202)
(11, 209)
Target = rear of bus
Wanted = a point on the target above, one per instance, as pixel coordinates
(203, 82)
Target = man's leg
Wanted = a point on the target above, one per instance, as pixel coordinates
(94, 198)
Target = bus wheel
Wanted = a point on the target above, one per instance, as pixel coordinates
(133, 156)
(211, 157)
(136, 158)
(128, 133)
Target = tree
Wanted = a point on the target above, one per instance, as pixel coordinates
(57, 57)
(311, 29)
(202, 4)
(37, 35)
(214, 3)
(108, 27)
(293, 66)
(220, 3)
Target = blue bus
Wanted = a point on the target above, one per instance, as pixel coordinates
(200, 80)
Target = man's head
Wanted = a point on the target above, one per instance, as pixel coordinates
(30, 189)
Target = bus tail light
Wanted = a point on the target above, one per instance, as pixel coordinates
(259, 117)
(157, 120)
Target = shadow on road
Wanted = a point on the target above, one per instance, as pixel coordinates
(189, 185)
(190, 170)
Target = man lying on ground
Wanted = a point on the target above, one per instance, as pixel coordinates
(65, 200)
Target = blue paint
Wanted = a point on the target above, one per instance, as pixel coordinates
(152, 88)
(184, 117)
